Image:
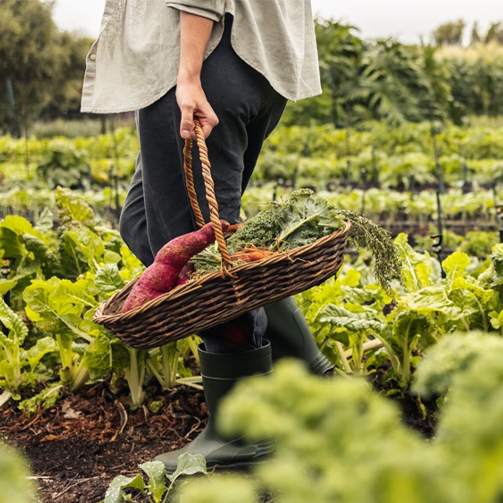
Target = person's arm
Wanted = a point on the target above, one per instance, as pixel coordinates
(195, 33)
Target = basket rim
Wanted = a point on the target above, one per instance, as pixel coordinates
(193, 286)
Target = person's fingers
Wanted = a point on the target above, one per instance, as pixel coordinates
(187, 123)
(208, 122)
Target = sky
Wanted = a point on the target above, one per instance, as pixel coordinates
(406, 20)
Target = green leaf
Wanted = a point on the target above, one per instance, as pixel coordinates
(156, 472)
(39, 350)
(411, 328)
(72, 207)
(120, 355)
(189, 464)
(59, 305)
(115, 493)
(45, 222)
(73, 261)
(17, 328)
(46, 399)
(6, 285)
(435, 299)
(351, 321)
(110, 257)
(98, 357)
(108, 279)
(496, 319)
(306, 217)
(417, 268)
(88, 243)
(455, 266)
(11, 245)
(19, 225)
(48, 260)
(424, 273)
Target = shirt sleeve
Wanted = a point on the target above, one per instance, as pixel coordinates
(211, 9)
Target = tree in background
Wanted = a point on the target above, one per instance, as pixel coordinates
(67, 89)
(39, 64)
(494, 34)
(366, 80)
(475, 75)
(449, 33)
(394, 82)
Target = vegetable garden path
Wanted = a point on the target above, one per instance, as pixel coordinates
(78, 447)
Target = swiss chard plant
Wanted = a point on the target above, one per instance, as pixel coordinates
(59, 278)
(19, 367)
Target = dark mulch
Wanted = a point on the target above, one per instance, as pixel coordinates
(419, 414)
(77, 448)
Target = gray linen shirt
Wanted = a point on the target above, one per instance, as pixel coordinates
(136, 57)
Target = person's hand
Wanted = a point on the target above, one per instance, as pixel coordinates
(193, 104)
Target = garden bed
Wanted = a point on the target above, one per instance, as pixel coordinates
(77, 447)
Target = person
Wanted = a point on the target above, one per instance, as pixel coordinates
(233, 65)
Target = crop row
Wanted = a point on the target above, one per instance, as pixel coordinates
(55, 279)
(387, 157)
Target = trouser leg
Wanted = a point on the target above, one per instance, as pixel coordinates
(133, 219)
(157, 208)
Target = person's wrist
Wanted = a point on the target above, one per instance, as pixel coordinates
(188, 76)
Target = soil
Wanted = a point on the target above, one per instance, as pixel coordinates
(76, 448)
(419, 414)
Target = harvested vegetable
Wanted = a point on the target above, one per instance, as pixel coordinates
(185, 273)
(251, 254)
(164, 273)
(302, 219)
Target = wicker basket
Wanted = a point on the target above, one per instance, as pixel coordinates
(220, 296)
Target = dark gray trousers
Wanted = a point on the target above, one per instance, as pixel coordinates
(157, 208)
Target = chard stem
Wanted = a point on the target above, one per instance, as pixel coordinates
(344, 360)
(5, 397)
(151, 364)
(80, 378)
(166, 367)
(395, 362)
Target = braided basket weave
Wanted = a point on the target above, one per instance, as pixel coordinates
(220, 296)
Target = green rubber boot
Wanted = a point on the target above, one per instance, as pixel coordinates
(290, 336)
(220, 372)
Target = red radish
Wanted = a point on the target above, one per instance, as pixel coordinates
(163, 274)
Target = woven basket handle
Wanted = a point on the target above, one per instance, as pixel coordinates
(209, 191)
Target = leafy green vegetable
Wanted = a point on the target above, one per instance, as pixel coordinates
(156, 488)
(298, 220)
(302, 219)
(115, 492)
(18, 366)
(46, 399)
(14, 482)
(338, 440)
